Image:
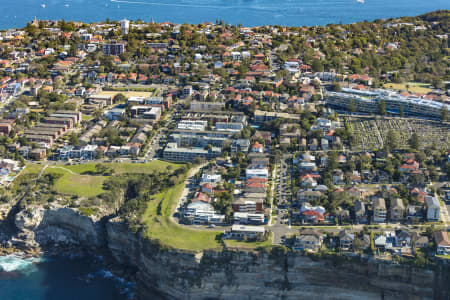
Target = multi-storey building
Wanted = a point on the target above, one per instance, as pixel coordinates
(369, 102)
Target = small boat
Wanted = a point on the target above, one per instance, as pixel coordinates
(43, 5)
(360, 1)
(66, 5)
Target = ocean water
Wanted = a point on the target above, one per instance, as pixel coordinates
(15, 13)
(58, 278)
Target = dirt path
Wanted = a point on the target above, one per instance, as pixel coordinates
(42, 171)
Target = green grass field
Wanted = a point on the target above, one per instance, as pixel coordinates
(92, 185)
(161, 227)
(125, 167)
(414, 87)
(75, 184)
(32, 169)
(249, 245)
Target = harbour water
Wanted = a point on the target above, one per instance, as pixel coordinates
(246, 12)
(56, 278)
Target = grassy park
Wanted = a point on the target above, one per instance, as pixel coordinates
(76, 184)
(75, 181)
(125, 167)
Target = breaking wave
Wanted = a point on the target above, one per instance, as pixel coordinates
(18, 263)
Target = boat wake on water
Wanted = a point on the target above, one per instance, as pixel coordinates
(172, 4)
(194, 5)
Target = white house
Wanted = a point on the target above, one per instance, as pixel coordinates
(241, 231)
(433, 208)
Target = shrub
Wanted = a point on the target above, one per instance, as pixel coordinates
(86, 211)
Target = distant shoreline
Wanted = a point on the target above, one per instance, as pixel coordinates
(264, 12)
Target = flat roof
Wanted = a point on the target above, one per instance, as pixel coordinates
(244, 228)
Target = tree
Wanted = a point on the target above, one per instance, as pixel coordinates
(119, 98)
(372, 242)
(392, 140)
(332, 161)
(382, 107)
(317, 66)
(352, 105)
(357, 244)
(74, 139)
(444, 113)
(336, 87)
(402, 111)
(414, 141)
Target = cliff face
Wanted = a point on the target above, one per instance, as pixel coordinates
(59, 226)
(175, 274)
(253, 275)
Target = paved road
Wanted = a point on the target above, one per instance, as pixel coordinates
(444, 213)
(187, 189)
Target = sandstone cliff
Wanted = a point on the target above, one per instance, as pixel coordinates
(58, 226)
(175, 274)
(258, 275)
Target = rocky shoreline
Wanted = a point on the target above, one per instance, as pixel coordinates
(27, 252)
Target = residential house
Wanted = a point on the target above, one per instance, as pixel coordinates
(38, 154)
(442, 242)
(257, 148)
(346, 240)
(343, 215)
(385, 241)
(419, 241)
(402, 238)
(397, 210)
(379, 210)
(360, 212)
(207, 188)
(414, 214)
(308, 239)
(240, 145)
(308, 196)
(338, 177)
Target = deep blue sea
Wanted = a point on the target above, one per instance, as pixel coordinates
(15, 13)
(59, 278)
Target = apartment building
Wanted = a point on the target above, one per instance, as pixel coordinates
(113, 48)
(368, 102)
(174, 153)
(199, 106)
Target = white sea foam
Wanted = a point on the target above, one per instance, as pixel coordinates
(126, 287)
(17, 262)
(106, 274)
